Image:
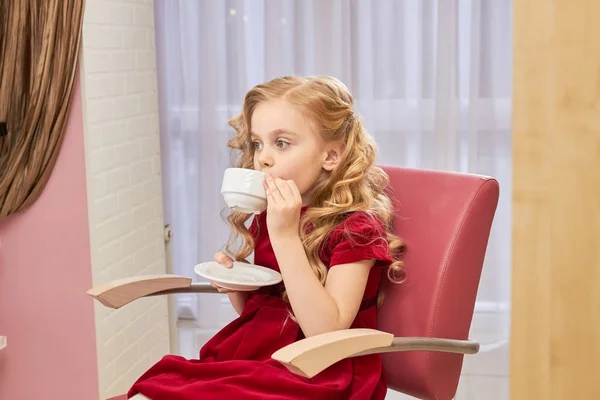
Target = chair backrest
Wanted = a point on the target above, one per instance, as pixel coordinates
(445, 219)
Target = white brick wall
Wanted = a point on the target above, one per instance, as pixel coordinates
(124, 184)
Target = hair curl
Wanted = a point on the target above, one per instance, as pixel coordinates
(355, 184)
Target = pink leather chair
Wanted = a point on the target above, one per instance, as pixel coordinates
(445, 219)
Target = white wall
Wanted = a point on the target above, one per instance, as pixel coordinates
(124, 183)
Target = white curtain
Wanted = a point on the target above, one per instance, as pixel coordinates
(432, 81)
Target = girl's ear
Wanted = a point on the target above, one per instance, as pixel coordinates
(333, 156)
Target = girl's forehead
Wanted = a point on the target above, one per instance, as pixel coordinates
(279, 116)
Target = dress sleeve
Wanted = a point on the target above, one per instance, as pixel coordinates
(360, 237)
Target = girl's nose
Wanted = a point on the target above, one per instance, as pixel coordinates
(265, 160)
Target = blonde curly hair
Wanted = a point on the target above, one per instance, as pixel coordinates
(355, 184)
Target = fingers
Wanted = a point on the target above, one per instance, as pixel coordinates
(272, 191)
(280, 191)
(224, 259)
(220, 289)
(294, 190)
(284, 189)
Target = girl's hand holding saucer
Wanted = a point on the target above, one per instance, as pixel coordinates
(225, 261)
(284, 203)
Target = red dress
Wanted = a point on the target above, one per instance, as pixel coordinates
(236, 363)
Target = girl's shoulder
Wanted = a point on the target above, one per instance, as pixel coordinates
(359, 236)
(361, 224)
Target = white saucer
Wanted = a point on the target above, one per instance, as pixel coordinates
(241, 277)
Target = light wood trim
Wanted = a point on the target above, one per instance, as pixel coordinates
(310, 356)
(555, 351)
(120, 292)
(3, 342)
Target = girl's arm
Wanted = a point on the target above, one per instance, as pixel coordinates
(238, 300)
(320, 309)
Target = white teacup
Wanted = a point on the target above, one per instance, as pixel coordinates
(243, 190)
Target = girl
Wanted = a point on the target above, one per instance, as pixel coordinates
(326, 230)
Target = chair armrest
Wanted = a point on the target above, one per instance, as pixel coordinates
(120, 292)
(310, 356)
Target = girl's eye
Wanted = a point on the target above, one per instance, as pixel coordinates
(282, 144)
(257, 145)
